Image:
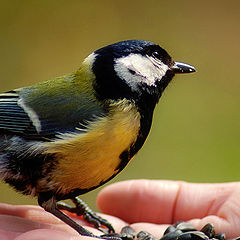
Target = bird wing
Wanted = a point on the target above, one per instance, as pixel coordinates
(13, 118)
(18, 117)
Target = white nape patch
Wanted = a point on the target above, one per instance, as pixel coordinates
(31, 114)
(89, 60)
(136, 68)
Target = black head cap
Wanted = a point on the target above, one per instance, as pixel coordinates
(125, 48)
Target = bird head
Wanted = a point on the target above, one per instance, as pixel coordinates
(133, 69)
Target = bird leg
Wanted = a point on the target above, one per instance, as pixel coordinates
(90, 216)
(50, 205)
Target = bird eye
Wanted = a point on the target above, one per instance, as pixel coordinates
(156, 54)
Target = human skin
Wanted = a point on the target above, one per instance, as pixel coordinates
(149, 205)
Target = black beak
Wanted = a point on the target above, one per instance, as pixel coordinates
(180, 67)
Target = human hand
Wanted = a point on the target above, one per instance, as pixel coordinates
(151, 205)
(145, 204)
(33, 223)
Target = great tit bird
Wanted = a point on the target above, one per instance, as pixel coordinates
(67, 136)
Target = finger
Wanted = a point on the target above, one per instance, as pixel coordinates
(22, 225)
(167, 201)
(17, 224)
(8, 235)
(45, 234)
(34, 213)
(38, 214)
(26, 218)
(140, 200)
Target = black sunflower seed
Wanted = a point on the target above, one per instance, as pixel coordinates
(174, 235)
(184, 227)
(143, 235)
(169, 229)
(208, 229)
(128, 233)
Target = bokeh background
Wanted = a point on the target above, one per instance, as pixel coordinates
(196, 128)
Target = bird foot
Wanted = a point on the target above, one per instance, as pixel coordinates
(82, 209)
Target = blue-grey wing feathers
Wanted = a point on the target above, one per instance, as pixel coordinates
(13, 118)
(18, 117)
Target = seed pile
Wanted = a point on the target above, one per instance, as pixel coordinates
(185, 231)
(178, 231)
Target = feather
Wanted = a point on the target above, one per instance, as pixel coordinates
(46, 110)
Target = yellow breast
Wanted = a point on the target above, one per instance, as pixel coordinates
(89, 158)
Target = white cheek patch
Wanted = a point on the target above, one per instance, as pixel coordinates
(135, 69)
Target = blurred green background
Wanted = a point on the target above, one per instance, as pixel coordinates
(196, 129)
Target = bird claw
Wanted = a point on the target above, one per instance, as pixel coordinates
(82, 209)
